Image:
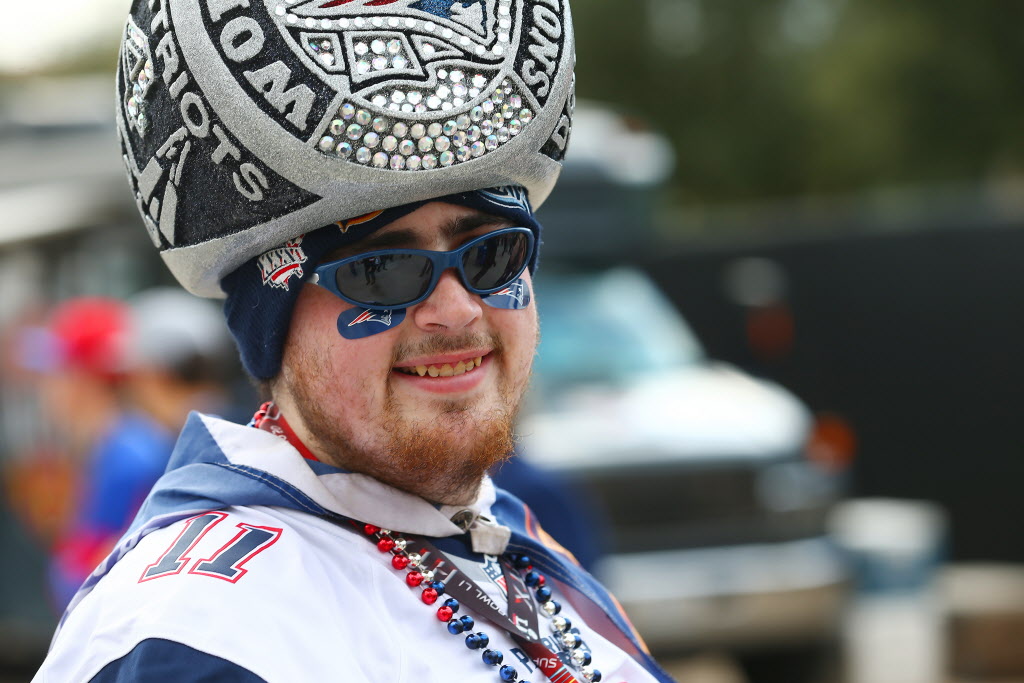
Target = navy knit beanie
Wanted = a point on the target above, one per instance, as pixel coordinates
(261, 294)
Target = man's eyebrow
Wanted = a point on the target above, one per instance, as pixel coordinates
(463, 224)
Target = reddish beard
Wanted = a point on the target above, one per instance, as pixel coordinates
(442, 459)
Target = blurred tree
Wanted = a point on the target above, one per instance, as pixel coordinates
(920, 91)
(781, 98)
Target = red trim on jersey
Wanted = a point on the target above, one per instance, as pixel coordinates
(269, 419)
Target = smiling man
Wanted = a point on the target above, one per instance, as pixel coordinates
(431, 406)
(358, 180)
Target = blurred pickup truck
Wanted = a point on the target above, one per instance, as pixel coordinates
(715, 516)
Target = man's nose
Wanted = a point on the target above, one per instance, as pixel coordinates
(450, 306)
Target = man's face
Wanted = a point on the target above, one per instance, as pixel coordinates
(362, 404)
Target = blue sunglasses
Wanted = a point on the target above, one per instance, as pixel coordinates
(391, 279)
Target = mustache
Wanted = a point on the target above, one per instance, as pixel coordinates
(443, 344)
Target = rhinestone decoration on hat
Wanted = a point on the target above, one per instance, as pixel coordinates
(418, 575)
(426, 91)
(138, 74)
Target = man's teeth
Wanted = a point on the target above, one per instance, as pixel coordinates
(446, 370)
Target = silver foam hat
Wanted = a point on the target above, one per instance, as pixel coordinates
(245, 123)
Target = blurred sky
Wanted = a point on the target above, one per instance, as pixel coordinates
(72, 28)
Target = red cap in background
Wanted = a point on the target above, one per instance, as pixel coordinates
(91, 334)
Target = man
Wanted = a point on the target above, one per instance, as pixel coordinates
(349, 532)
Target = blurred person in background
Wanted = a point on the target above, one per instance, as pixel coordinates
(121, 380)
(359, 180)
(39, 476)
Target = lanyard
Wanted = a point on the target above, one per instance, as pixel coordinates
(269, 419)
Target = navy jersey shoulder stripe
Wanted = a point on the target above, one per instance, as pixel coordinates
(165, 660)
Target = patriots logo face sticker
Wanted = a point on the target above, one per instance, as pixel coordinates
(515, 297)
(360, 323)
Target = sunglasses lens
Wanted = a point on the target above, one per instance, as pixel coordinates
(496, 261)
(387, 280)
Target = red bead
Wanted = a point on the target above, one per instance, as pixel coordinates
(429, 596)
(385, 545)
(540, 581)
(444, 613)
(413, 579)
(370, 529)
(400, 562)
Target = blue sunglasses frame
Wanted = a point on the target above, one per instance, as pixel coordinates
(324, 274)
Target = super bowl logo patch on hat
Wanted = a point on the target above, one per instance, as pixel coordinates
(278, 266)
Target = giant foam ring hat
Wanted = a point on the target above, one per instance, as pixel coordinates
(245, 123)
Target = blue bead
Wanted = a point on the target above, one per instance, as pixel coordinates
(438, 586)
(485, 639)
(532, 579)
(493, 657)
(558, 607)
(596, 677)
(507, 673)
(467, 622)
(473, 641)
(543, 594)
(455, 627)
(587, 659)
(522, 562)
(452, 603)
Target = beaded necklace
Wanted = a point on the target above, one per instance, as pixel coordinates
(519, 623)
(420, 575)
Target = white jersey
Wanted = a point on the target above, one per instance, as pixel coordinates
(276, 593)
